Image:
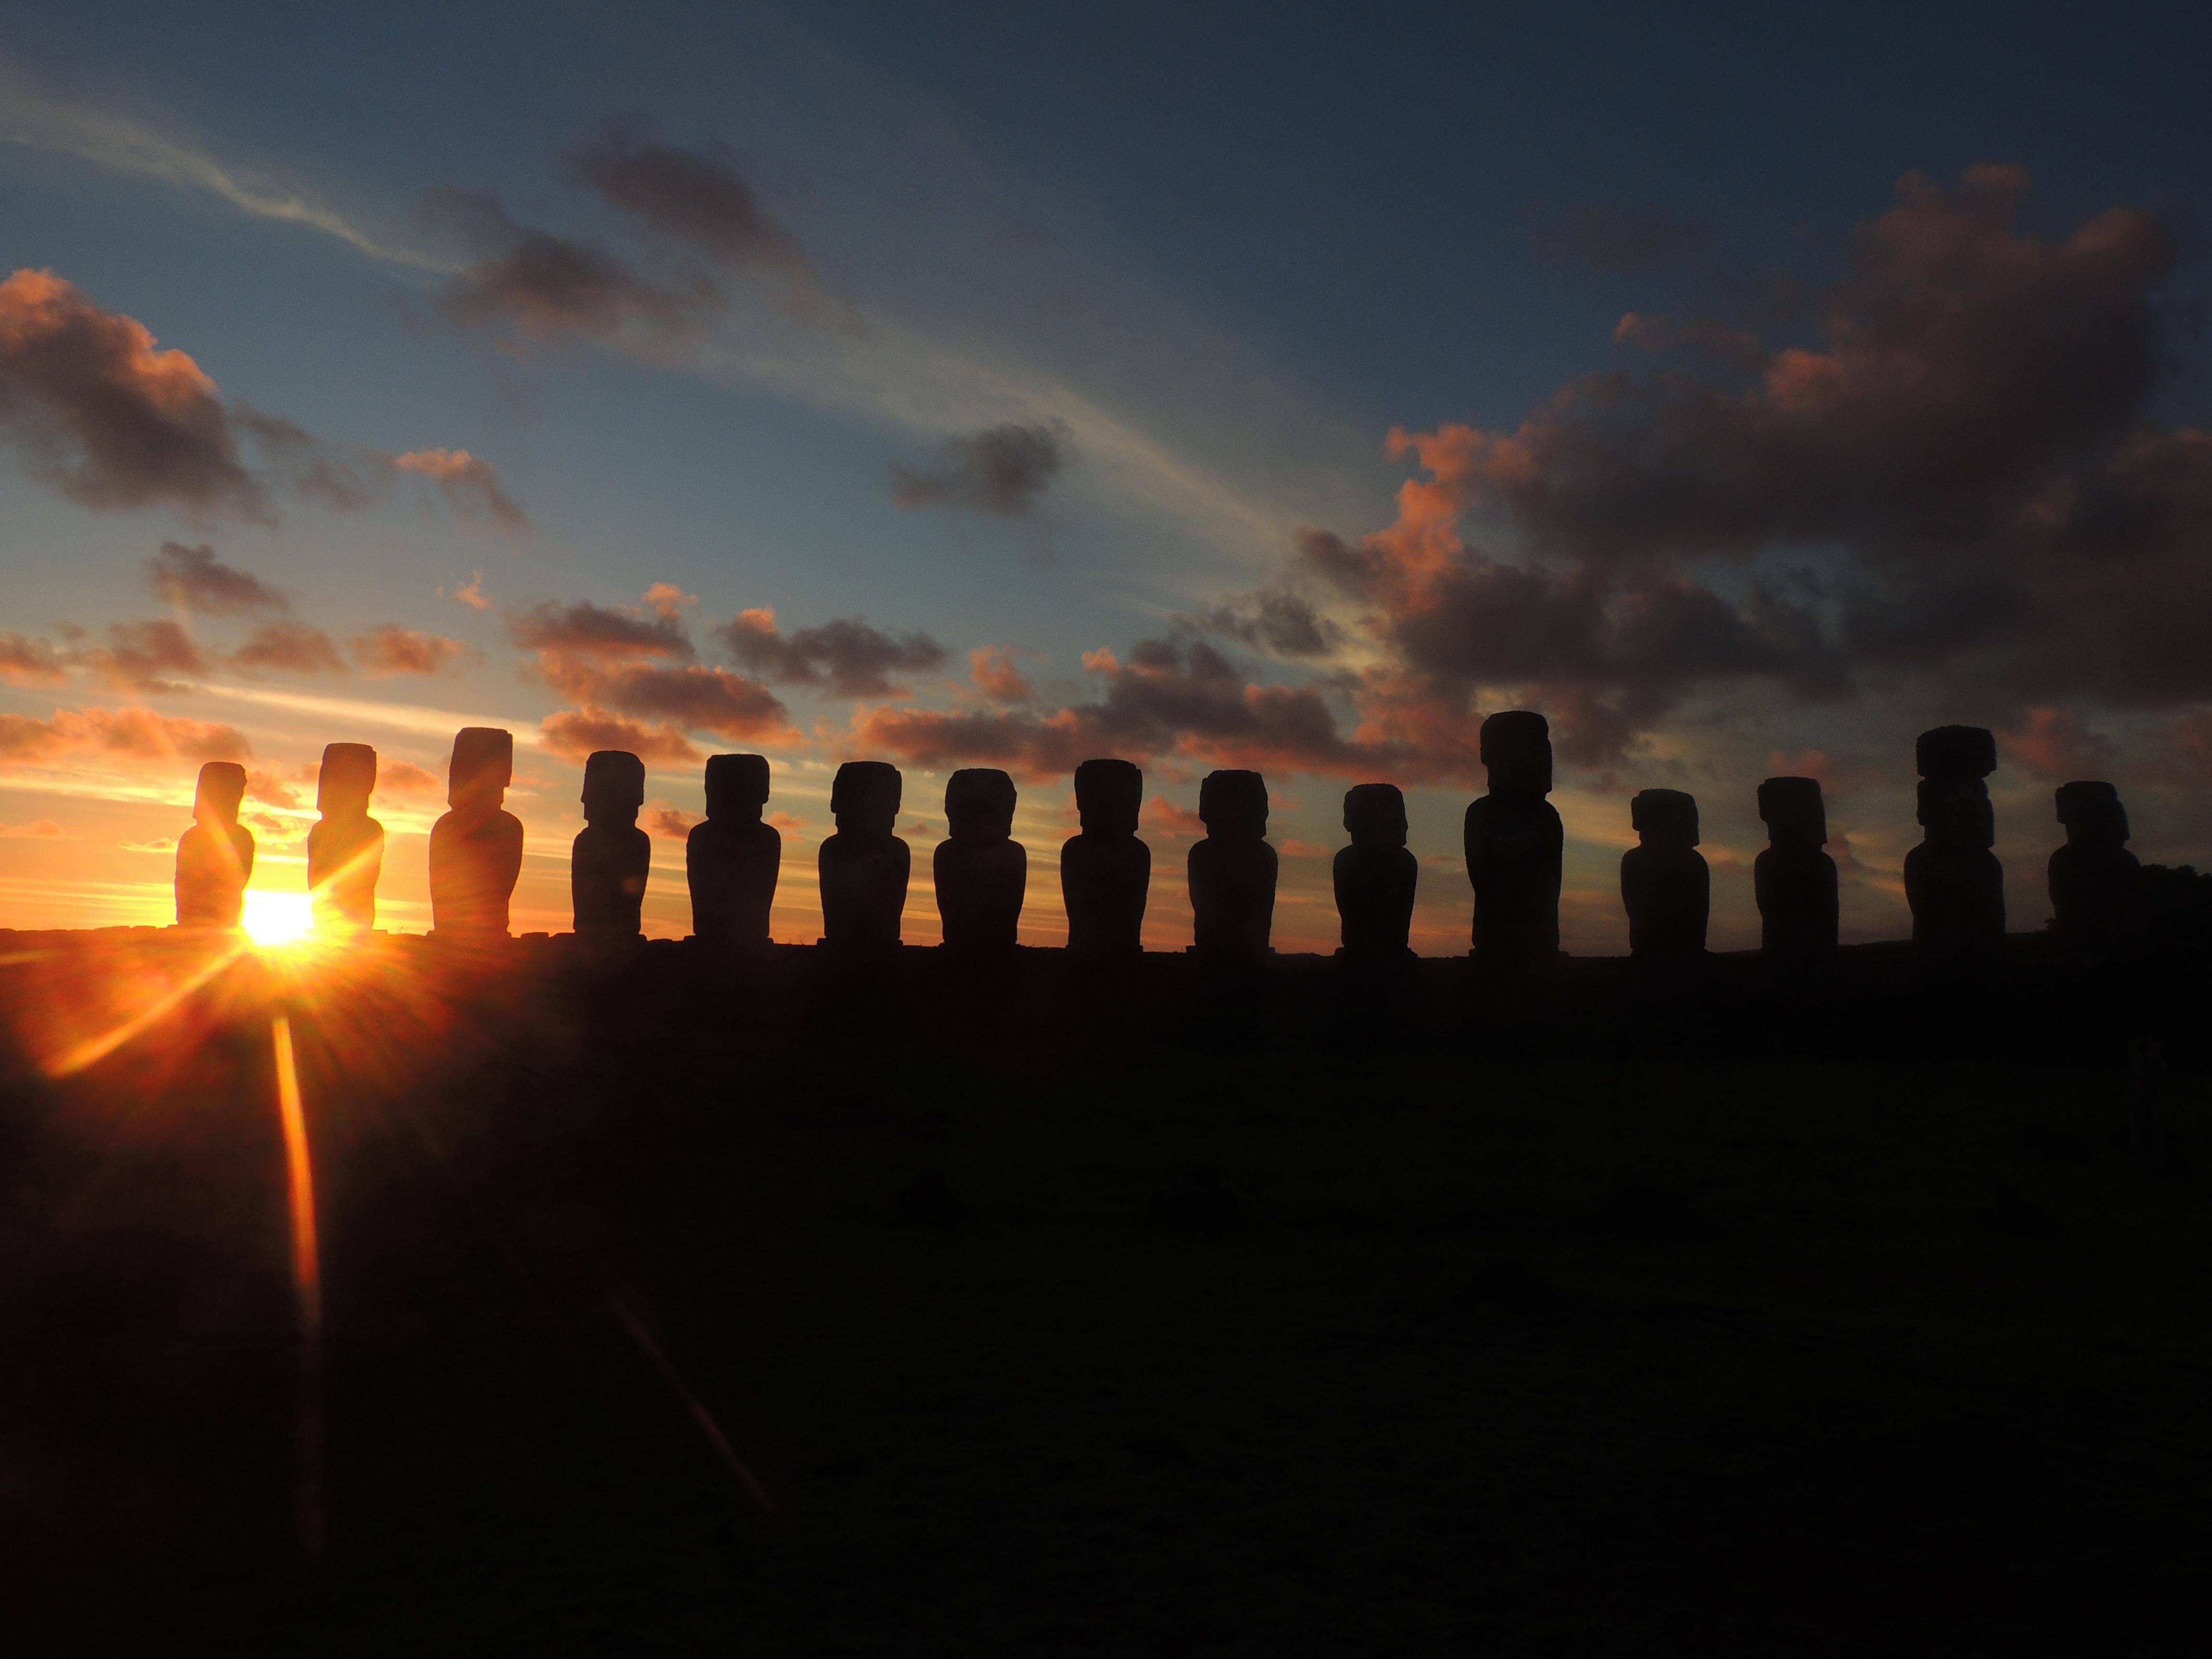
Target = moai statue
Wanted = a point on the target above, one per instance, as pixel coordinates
(1794, 879)
(1516, 845)
(982, 872)
(1952, 881)
(865, 865)
(475, 847)
(215, 857)
(1105, 872)
(612, 857)
(2095, 881)
(1376, 876)
(345, 849)
(1232, 870)
(730, 857)
(1664, 883)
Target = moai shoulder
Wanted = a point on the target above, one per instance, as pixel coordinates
(1516, 845)
(981, 871)
(732, 858)
(1376, 876)
(1105, 871)
(1793, 879)
(865, 865)
(215, 857)
(476, 847)
(612, 857)
(1665, 886)
(1232, 869)
(345, 849)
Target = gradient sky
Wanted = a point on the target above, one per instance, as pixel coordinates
(1748, 388)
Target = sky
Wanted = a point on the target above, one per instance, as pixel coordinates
(1746, 388)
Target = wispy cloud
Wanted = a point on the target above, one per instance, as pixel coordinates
(32, 117)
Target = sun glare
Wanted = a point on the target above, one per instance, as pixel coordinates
(274, 919)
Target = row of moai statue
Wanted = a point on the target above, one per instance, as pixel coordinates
(1513, 845)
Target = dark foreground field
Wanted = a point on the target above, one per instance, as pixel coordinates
(1685, 1318)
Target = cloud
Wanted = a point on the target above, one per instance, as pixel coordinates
(388, 649)
(1278, 621)
(668, 601)
(538, 285)
(669, 824)
(695, 196)
(620, 661)
(194, 578)
(38, 829)
(1001, 470)
(95, 409)
(140, 656)
(598, 631)
(848, 656)
(1178, 697)
(1164, 818)
(991, 668)
(404, 781)
(1615, 238)
(272, 790)
(575, 733)
(137, 734)
(107, 417)
(2054, 745)
(288, 647)
(25, 661)
(1954, 483)
(469, 482)
(471, 592)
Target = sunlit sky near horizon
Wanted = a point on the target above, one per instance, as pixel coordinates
(1748, 388)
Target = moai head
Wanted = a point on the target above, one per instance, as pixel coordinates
(2093, 815)
(737, 786)
(614, 787)
(1795, 816)
(1109, 796)
(221, 791)
(1664, 818)
(864, 797)
(1375, 815)
(1517, 747)
(1956, 752)
(347, 780)
(482, 767)
(979, 805)
(1956, 813)
(1234, 805)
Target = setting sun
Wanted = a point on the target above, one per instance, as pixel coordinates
(277, 918)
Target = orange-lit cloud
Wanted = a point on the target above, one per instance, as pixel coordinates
(469, 482)
(142, 656)
(38, 829)
(26, 661)
(2054, 745)
(389, 649)
(1163, 817)
(471, 592)
(194, 578)
(992, 670)
(575, 733)
(288, 647)
(138, 734)
(668, 824)
(403, 779)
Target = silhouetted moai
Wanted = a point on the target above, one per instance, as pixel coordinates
(1952, 881)
(1232, 870)
(865, 865)
(2095, 882)
(1106, 873)
(612, 857)
(345, 849)
(730, 857)
(1793, 879)
(982, 872)
(215, 857)
(1664, 883)
(1516, 845)
(1376, 876)
(475, 847)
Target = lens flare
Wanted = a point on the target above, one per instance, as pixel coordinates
(274, 919)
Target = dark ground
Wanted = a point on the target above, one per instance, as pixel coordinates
(1600, 1320)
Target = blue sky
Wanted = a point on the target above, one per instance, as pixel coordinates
(1221, 252)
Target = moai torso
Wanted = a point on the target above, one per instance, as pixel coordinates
(1953, 880)
(732, 858)
(2095, 882)
(1665, 886)
(1515, 850)
(1232, 870)
(475, 847)
(1376, 876)
(1794, 879)
(610, 861)
(981, 872)
(1106, 873)
(215, 857)
(345, 849)
(864, 867)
